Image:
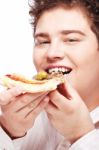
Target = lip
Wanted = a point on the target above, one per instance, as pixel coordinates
(57, 66)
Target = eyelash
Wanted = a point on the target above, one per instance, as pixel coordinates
(68, 40)
(71, 40)
(43, 42)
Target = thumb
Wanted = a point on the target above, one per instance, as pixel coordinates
(67, 90)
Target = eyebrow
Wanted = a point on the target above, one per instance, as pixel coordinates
(44, 35)
(66, 32)
(63, 32)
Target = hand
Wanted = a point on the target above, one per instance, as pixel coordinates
(68, 113)
(9, 95)
(19, 115)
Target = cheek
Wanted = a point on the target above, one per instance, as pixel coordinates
(85, 54)
(38, 59)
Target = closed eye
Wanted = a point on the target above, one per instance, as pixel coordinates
(71, 40)
(44, 42)
(37, 42)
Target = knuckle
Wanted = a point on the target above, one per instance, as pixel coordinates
(70, 110)
(35, 113)
(26, 98)
(31, 105)
(2, 98)
(28, 123)
(5, 110)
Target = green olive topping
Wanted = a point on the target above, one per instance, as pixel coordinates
(41, 75)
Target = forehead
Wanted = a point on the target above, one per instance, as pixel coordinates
(60, 18)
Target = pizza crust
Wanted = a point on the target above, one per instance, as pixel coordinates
(31, 85)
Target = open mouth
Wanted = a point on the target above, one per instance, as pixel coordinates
(63, 70)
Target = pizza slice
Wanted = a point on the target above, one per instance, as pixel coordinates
(42, 82)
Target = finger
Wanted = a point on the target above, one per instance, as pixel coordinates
(23, 100)
(50, 108)
(2, 88)
(30, 107)
(59, 100)
(67, 90)
(33, 114)
(9, 95)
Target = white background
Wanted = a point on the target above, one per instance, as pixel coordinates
(16, 41)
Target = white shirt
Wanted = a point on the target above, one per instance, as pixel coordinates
(44, 137)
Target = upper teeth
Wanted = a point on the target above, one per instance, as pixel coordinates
(60, 69)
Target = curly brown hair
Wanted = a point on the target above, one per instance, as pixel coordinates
(90, 7)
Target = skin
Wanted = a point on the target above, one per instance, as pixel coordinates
(76, 48)
(69, 42)
(19, 115)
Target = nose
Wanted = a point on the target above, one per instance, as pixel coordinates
(55, 52)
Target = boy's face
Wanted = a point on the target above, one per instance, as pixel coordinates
(64, 41)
